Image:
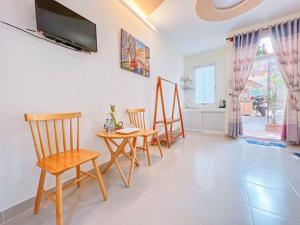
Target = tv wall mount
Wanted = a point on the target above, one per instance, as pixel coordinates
(45, 37)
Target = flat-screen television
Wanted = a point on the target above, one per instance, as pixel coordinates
(61, 24)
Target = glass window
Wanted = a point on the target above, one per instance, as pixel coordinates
(205, 84)
(265, 47)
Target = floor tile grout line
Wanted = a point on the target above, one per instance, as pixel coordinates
(213, 194)
(267, 171)
(279, 174)
(43, 202)
(245, 187)
(197, 188)
(286, 218)
(242, 184)
(261, 169)
(294, 189)
(273, 188)
(147, 198)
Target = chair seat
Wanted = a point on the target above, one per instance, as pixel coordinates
(58, 163)
(146, 133)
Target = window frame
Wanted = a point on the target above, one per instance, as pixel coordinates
(215, 84)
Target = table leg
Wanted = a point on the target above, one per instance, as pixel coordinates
(121, 150)
(113, 154)
(121, 173)
(133, 150)
(129, 157)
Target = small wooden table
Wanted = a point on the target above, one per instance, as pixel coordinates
(130, 139)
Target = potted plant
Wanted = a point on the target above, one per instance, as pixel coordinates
(275, 83)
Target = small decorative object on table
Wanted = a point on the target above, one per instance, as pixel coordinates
(118, 125)
(111, 124)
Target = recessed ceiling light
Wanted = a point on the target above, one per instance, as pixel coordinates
(226, 4)
(219, 10)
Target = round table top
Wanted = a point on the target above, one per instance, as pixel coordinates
(115, 135)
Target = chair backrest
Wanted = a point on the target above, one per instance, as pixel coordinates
(45, 128)
(137, 118)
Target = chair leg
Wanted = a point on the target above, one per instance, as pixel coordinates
(100, 181)
(144, 145)
(78, 175)
(59, 217)
(159, 147)
(39, 192)
(148, 151)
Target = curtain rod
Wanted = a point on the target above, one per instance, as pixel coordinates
(231, 38)
(271, 25)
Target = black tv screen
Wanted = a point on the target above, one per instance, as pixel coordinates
(58, 22)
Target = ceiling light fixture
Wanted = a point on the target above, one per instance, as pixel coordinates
(140, 13)
(220, 10)
(226, 4)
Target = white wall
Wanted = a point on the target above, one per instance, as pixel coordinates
(222, 58)
(37, 76)
(217, 57)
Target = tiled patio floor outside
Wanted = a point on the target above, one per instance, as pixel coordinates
(255, 126)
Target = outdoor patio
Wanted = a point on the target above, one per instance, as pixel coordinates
(255, 126)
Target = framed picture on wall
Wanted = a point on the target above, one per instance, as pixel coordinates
(135, 56)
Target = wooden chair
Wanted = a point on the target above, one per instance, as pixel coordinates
(55, 158)
(137, 118)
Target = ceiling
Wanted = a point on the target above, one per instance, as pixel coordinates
(148, 6)
(178, 22)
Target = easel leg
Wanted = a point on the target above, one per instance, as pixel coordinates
(159, 147)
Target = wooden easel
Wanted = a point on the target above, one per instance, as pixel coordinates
(169, 136)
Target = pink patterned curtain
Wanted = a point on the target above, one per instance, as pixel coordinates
(244, 52)
(286, 42)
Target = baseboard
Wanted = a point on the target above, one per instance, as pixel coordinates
(27, 205)
(213, 132)
(206, 131)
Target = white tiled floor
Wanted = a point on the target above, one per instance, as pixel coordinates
(204, 179)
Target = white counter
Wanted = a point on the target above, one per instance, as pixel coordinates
(204, 119)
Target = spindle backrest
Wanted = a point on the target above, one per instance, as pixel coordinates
(49, 128)
(137, 118)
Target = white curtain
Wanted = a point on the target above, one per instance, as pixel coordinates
(286, 42)
(244, 52)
